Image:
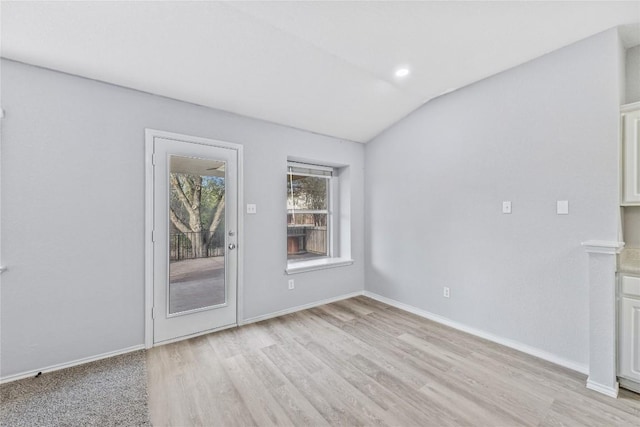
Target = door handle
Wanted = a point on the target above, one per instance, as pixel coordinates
(232, 246)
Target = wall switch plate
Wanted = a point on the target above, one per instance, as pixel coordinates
(251, 208)
(506, 207)
(562, 207)
(445, 292)
(292, 284)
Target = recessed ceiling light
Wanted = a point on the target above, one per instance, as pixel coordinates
(402, 72)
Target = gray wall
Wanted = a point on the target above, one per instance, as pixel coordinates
(631, 217)
(631, 226)
(541, 132)
(73, 213)
(632, 74)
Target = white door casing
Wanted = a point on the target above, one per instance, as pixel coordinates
(163, 324)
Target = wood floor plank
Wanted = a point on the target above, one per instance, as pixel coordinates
(421, 360)
(365, 409)
(326, 403)
(158, 393)
(361, 362)
(504, 392)
(257, 336)
(293, 328)
(268, 376)
(547, 382)
(357, 379)
(266, 372)
(355, 307)
(370, 302)
(597, 409)
(432, 349)
(339, 312)
(299, 410)
(222, 404)
(564, 412)
(475, 412)
(321, 327)
(430, 412)
(400, 413)
(396, 354)
(264, 409)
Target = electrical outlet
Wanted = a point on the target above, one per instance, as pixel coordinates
(292, 285)
(445, 292)
(506, 207)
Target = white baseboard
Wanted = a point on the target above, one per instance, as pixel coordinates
(629, 384)
(299, 308)
(584, 369)
(76, 362)
(422, 313)
(59, 366)
(604, 389)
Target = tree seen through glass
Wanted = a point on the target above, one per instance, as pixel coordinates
(307, 216)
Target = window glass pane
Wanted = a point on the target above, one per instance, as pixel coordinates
(307, 193)
(307, 216)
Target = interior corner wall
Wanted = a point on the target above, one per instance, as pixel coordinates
(631, 218)
(73, 194)
(631, 221)
(541, 132)
(632, 73)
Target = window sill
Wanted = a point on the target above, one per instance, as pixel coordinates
(316, 264)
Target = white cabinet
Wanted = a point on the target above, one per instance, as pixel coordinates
(631, 154)
(629, 331)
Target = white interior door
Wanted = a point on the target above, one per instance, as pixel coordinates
(194, 237)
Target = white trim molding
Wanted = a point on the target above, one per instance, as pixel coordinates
(629, 385)
(150, 135)
(321, 264)
(541, 354)
(148, 241)
(602, 315)
(602, 247)
(630, 107)
(600, 388)
(57, 367)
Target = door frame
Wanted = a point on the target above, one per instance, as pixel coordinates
(150, 135)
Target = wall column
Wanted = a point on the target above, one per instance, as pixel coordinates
(602, 316)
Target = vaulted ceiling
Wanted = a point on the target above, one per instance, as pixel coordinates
(323, 66)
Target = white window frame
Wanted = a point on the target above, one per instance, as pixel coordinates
(333, 259)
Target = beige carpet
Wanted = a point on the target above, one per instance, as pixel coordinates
(109, 392)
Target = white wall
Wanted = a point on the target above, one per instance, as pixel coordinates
(73, 213)
(434, 183)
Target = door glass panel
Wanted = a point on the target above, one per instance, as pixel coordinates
(196, 234)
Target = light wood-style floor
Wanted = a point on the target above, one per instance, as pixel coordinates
(361, 362)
